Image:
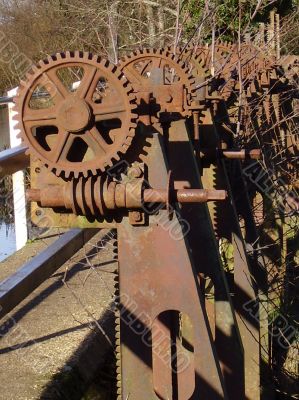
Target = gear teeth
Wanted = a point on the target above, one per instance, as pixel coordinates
(19, 136)
(41, 64)
(50, 59)
(134, 115)
(118, 73)
(109, 65)
(117, 328)
(29, 75)
(22, 84)
(35, 69)
(67, 174)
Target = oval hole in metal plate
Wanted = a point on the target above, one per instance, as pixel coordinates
(173, 356)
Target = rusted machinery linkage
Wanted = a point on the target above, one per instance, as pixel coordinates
(89, 198)
(148, 147)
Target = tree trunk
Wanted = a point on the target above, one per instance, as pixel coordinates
(151, 25)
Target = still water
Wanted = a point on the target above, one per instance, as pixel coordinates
(7, 241)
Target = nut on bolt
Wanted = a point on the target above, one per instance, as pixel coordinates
(136, 218)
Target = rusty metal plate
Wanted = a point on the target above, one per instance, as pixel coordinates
(166, 344)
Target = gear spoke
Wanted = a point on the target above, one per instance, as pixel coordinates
(87, 80)
(63, 145)
(39, 115)
(58, 90)
(107, 111)
(94, 140)
(31, 124)
(93, 85)
(133, 74)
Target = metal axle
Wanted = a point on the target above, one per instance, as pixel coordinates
(232, 154)
(95, 197)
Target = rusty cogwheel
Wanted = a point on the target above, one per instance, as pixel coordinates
(140, 64)
(75, 113)
(221, 54)
(196, 65)
(195, 62)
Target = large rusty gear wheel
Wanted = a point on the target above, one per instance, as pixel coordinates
(80, 130)
(138, 66)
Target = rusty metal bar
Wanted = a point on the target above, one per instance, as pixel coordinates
(245, 279)
(226, 224)
(232, 154)
(184, 195)
(54, 196)
(253, 154)
(18, 286)
(6, 100)
(13, 160)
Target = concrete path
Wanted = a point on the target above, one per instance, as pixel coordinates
(57, 343)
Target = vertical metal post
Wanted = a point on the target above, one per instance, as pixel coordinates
(18, 183)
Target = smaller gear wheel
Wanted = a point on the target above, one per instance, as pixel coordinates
(195, 63)
(76, 114)
(140, 65)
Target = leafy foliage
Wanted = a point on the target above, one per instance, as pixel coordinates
(226, 15)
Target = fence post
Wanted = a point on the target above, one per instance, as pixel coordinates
(18, 182)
